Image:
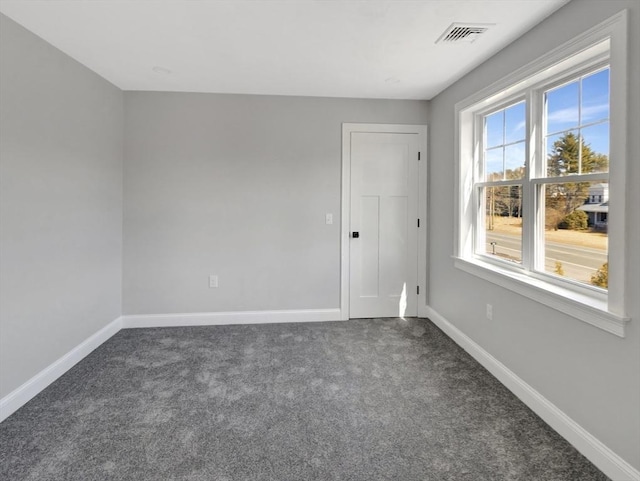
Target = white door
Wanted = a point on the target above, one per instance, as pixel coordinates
(383, 255)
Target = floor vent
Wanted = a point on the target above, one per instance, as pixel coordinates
(463, 32)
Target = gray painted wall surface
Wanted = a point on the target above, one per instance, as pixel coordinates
(60, 204)
(591, 375)
(238, 186)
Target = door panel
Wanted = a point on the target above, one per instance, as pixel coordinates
(369, 247)
(395, 242)
(384, 206)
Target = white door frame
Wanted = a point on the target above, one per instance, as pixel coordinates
(347, 130)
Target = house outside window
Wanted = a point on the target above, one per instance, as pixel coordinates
(597, 207)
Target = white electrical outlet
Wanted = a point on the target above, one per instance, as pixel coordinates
(490, 312)
(213, 281)
(328, 219)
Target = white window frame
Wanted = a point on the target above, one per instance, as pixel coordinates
(605, 43)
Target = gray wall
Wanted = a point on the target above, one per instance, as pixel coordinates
(60, 204)
(238, 186)
(589, 374)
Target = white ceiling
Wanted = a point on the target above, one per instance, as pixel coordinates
(332, 48)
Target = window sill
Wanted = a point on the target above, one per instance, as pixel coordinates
(584, 308)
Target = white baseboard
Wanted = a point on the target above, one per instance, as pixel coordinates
(222, 318)
(23, 394)
(593, 449)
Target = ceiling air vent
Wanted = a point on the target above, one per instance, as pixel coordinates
(463, 32)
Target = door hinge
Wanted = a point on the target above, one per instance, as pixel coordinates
(418, 290)
(418, 155)
(418, 222)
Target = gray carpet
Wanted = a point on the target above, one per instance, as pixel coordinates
(382, 399)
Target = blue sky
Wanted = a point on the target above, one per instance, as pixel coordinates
(569, 108)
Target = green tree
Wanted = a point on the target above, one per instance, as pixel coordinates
(577, 220)
(571, 155)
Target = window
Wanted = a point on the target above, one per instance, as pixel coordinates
(567, 242)
(540, 155)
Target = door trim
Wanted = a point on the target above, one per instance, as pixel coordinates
(345, 207)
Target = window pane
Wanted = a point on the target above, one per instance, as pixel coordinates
(563, 154)
(494, 129)
(494, 165)
(595, 150)
(595, 97)
(514, 157)
(577, 149)
(562, 108)
(503, 222)
(514, 123)
(575, 240)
